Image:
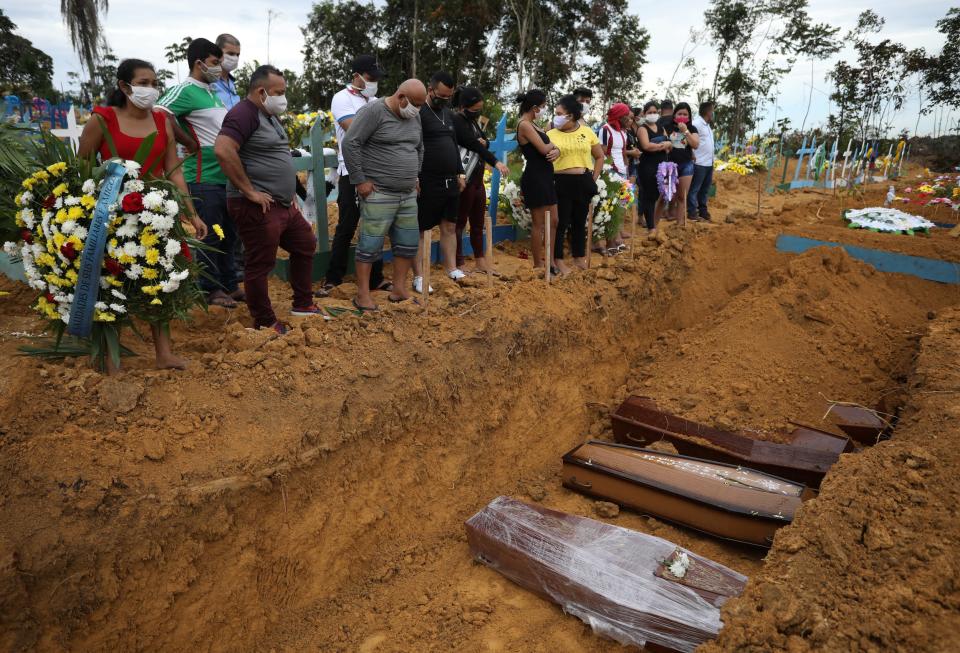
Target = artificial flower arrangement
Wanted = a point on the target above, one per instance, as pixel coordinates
(742, 164)
(144, 268)
(615, 196)
(888, 220)
(298, 126)
(944, 190)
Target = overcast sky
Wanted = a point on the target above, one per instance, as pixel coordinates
(143, 29)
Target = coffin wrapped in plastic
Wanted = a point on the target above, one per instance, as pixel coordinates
(634, 588)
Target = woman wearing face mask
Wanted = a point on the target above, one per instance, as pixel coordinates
(655, 145)
(129, 119)
(474, 154)
(576, 171)
(684, 139)
(536, 183)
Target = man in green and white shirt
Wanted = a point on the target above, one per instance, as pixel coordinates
(199, 113)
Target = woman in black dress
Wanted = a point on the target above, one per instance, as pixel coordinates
(655, 146)
(536, 184)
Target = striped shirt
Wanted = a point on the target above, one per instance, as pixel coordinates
(200, 113)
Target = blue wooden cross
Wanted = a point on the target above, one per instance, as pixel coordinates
(808, 152)
(500, 146)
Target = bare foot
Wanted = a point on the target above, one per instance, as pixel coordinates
(171, 362)
(563, 267)
(580, 263)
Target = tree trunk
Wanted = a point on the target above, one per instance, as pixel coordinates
(413, 56)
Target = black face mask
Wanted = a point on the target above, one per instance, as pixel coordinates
(439, 102)
(472, 115)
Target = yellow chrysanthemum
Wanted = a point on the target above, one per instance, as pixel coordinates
(156, 301)
(41, 175)
(116, 283)
(76, 242)
(153, 255)
(102, 316)
(61, 216)
(151, 290)
(47, 308)
(126, 259)
(113, 242)
(75, 212)
(59, 190)
(59, 240)
(46, 259)
(17, 198)
(217, 229)
(57, 168)
(72, 276)
(28, 183)
(19, 220)
(148, 238)
(149, 273)
(88, 202)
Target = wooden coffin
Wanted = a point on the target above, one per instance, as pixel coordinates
(727, 501)
(607, 576)
(808, 457)
(861, 424)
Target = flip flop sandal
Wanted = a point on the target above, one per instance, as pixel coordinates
(400, 300)
(324, 290)
(238, 296)
(364, 309)
(223, 300)
(385, 286)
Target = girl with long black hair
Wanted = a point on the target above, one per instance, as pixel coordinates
(536, 184)
(655, 145)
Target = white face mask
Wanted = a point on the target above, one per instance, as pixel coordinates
(586, 106)
(652, 117)
(409, 111)
(539, 113)
(368, 91)
(143, 97)
(274, 104)
(560, 121)
(230, 62)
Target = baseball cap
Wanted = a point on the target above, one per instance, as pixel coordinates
(367, 63)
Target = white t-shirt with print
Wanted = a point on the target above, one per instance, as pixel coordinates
(616, 141)
(345, 105)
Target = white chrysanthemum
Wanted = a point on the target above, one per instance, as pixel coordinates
(147, 217)
(133, 186)
(127, 230)
(80, 232)
(133, 168)
(116, 293)
(36, 249)
(104, 283)
(67, 227)
(118, 308)
(162, 224)
(58, 203)
(26, 197)
(181, 275)
(88, 187)
(166, 263)
(134, 271)
(169, 285)
(153, 201)
(72, 200)
(101, 306)
(171, 207)
(172, 248)
(11, 248)
(131, 248)
(28, 217)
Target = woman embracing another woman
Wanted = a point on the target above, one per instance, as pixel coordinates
(536, 183)
(576, 171)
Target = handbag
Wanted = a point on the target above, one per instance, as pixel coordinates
(469, 158)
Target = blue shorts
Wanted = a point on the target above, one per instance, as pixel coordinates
(685, 169)
(382, 214)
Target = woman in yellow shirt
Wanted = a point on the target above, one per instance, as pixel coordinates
(575, 174)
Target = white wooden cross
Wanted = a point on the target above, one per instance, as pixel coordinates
(846, 159)
(886, 164)
(72, 131)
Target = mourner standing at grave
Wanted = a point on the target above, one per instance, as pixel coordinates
(536, 182)
(255, 155)
(475, 156)
(226, 86)
(576, 171)
(128, 119)
(365, 76)
(383, 151)
(684, 138)
(702, 164)
(585, 97)
(655, 146)
(200, 113)
(441, 177)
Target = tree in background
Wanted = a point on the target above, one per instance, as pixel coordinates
(24, 70)
(938, 73)
(176, 53)
(297, 98)
(82, 18)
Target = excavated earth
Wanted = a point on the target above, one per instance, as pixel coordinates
(308, 492)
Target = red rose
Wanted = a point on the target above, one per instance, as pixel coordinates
(132, 203)
(185, 251)
(49, 202)
(113, 267)
(26, 235)
(68, 251)
(49, 297)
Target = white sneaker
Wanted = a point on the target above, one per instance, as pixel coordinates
(456, 274)
(418, 286)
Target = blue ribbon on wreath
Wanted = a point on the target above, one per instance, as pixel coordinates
(87, 288)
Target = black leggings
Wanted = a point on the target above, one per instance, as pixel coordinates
(573, 203)
(649, 192)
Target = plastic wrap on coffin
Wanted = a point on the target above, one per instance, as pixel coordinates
(807, 459)
(724, 500)
(603, 574)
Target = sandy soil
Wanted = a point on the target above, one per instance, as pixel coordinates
(308, 493)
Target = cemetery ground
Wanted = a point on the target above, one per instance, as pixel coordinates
(308, 493)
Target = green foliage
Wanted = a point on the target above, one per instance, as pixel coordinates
(24, 70)
(16, 155)
(297, 97)
(82, 18)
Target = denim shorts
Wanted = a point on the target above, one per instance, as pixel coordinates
(685, 169)
(386, 213)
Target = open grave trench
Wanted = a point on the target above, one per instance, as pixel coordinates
(338, 525)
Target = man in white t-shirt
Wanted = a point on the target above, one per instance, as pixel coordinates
(702, 165)
(362, 88)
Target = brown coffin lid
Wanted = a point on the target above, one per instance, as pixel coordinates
(607, 572)
(643, 412)
(861, 424)
(727, 487)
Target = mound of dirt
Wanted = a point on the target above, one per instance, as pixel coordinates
(872, 564)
